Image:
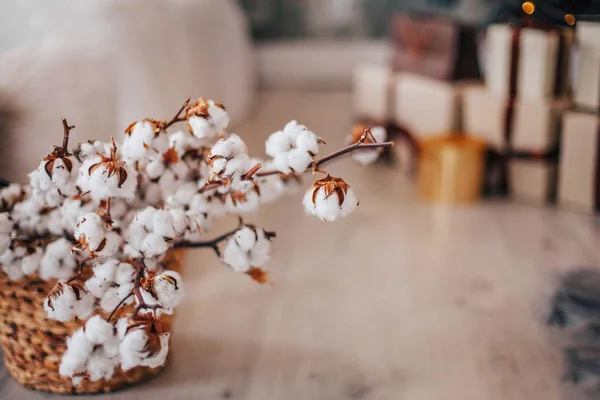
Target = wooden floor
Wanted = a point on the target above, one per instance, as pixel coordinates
(401, 300)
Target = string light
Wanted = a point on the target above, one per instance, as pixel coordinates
(528, 7)
(570, 19)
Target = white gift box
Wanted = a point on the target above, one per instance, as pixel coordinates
(371, 92)
(425, 106)
(531, 181)
(538, 61)
(578, 161)
(587, 81)
(534, 126)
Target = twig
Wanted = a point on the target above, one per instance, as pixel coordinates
(248, 175)
(214, 244)
(123, 300)
(210, 186)
(66, 131)
(314, 166)
(356, 146)
(177, 117)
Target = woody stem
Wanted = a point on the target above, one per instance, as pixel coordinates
(316, 164)
(66, 131)
(177, 117)
(214, 244)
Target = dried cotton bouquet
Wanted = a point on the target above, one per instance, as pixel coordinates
(100, 217)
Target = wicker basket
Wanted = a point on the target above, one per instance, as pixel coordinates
(33, 345)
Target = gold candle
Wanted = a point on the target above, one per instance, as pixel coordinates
(451, 169)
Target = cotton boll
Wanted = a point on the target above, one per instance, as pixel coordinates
(240, 164)
(13, 271)
(308, 142)
(27, 214)
(31, 261)
(110, 300)
(247, 203)
(299, 160)
(220, 118)
(111, 347)
(11, 195)
(207, 118)
(74, 359)
(183, 142)
(155, 168)
(162, 224)
(57, 262)
(201, 127)
(70, 211)
(84, 307)
(366, 157)
(278, 142)
(141, 138)
(60, 302)
(245, 237)
(132, 348)
(183, 196)
(168, 288)
(330, 198)
(97, 287)
(124, 273)
(122, 325)
(104, 179)
(100, 367)
(260, 253)
(98, 331)
(235, 257)
(293, 129)
(111, 245)
(91, 230)
(281, 163)
(105, 271)
(217, 165)
(159, 358)
(124, 290)
(153, 245)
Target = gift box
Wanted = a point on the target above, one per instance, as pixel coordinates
(435, 47)
(531, 180)
(587, 81)
(426, 107)
(579, 168)
(528, 61)
(525, 125)
(371, 85)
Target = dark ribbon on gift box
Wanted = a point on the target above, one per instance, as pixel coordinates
(398, 133)
(497, 177)
(597, 171)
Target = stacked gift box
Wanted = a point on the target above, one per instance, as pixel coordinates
(579, 175)
(541, 130)
(518, 109)
(419, 94)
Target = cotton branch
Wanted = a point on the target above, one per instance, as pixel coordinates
(359, 145)
(314, 166)
(214, 244)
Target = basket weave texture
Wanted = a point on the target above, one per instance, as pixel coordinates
(33, 345)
